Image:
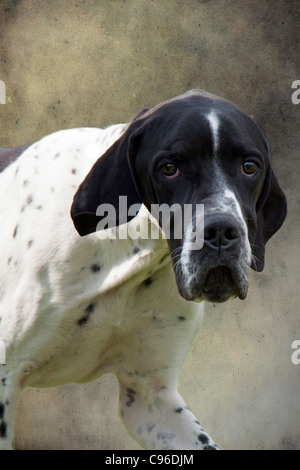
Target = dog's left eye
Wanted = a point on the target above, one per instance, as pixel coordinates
(249, 169)
(169, 170)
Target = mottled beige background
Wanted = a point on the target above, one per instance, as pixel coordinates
(93, 63)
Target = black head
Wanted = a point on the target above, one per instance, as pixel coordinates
(193, 150)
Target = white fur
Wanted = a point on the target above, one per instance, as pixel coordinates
(214, 122)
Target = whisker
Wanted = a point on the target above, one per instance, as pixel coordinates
(176, 251)
(254, 260)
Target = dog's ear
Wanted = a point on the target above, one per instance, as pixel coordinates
(111, 176)
(140, 114)
(271, 211)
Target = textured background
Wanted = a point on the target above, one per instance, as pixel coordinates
(93, 63)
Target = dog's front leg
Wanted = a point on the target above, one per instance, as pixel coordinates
(158, 418)
(9, 395)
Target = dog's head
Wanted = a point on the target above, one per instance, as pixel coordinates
(190, 152)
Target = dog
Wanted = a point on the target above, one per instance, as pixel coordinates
(83, 294)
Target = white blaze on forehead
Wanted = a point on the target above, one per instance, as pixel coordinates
(214, 122)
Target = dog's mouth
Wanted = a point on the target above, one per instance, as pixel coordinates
(217, 285)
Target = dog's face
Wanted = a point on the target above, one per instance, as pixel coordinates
(196, 150)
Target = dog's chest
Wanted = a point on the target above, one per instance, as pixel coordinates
(116, 330)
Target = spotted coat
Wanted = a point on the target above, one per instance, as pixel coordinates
(74, 308)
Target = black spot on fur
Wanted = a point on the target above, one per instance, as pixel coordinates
(150, 426)
(136, 251)
(29, 244)
(179, 410)
(15, 231)
(96, 268)
(2, 429)
(3, 381)
(2, 409)
(164, 436)
(181, 318)
(209, 448)
(2, 423)
(74, 171)
(90, 309)
(131, 396)
(203, 439)
(29, 200)
(82, 321)
(148, 282)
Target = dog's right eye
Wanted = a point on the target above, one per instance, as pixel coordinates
(169, 170)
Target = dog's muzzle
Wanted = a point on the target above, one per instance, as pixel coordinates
(219, 270)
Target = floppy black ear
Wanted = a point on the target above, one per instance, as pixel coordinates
(110, 177)
(271, 213)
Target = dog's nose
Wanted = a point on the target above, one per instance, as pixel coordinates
(221, 232)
